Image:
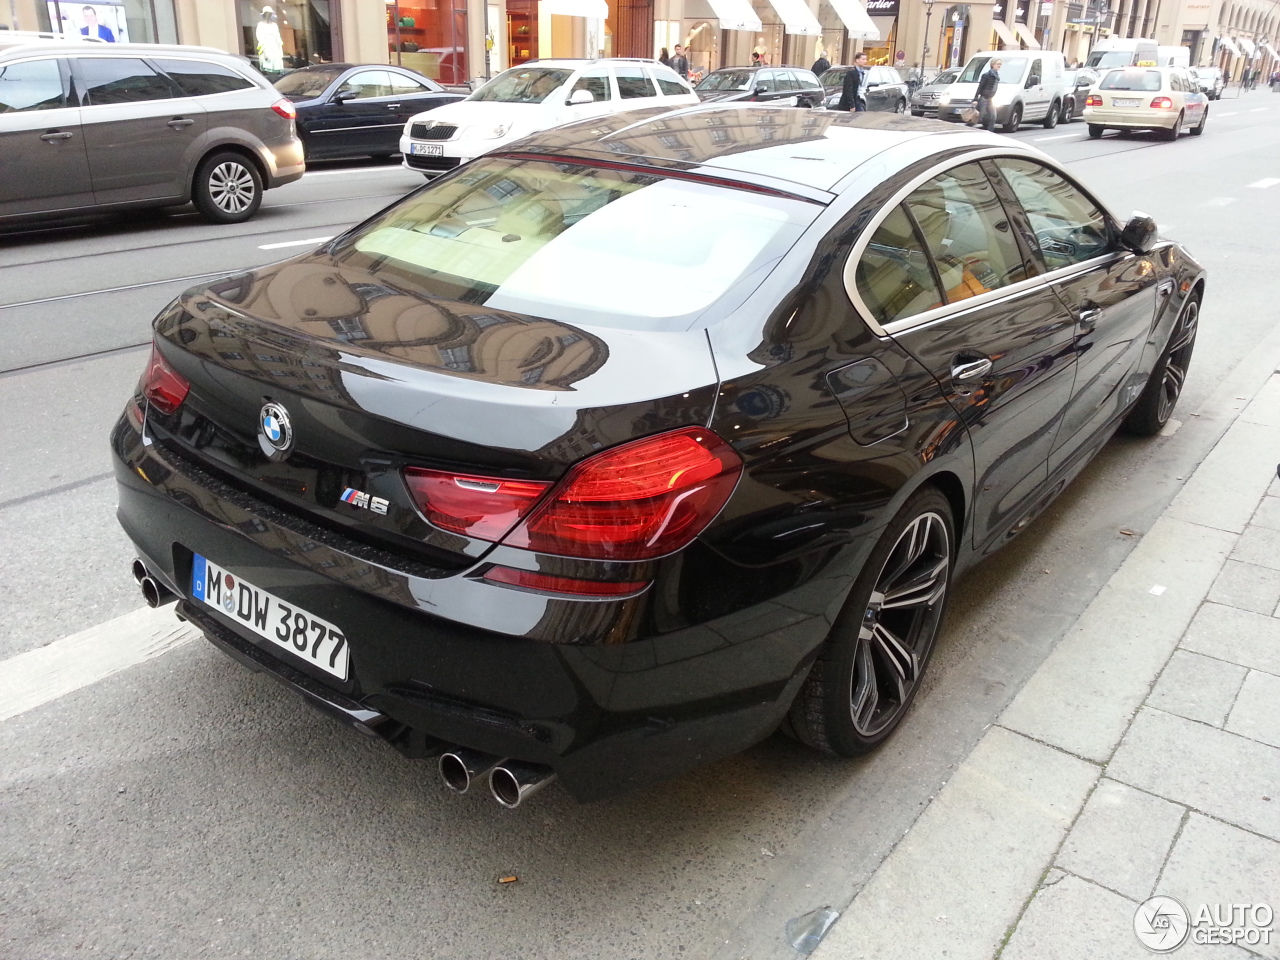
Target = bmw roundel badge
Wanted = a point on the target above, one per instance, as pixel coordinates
(275, 432)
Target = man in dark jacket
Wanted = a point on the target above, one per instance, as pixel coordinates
(680, 63)
(853, 95)
(987, 86)
(821, 65)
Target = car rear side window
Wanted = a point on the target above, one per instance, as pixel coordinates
(32, 85)
(633, 83)
(669, 83)
(121, 80)
(403, 86)
(893, 275)
(579, 243)
(200, 78)
(1068, 226)
(595, 83)
(967, 233)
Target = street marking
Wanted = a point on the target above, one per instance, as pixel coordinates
(1258, 110)
(1219, 202)
(294, 243)
(1265, 182)
(1061, 136)
(64, 666)
(1231, 114)
(333, 173)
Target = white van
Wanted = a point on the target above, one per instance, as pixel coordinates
(1173, 57)
(1123, 52)
(1032, 88)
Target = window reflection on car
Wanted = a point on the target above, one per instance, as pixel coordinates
(522, 86)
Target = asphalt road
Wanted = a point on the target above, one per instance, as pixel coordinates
(185, 808)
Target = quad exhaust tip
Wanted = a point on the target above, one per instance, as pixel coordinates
(153, 591)
(512, 781)
(460, 768)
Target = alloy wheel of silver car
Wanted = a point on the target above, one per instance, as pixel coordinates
(1179, 359)
(232, 187)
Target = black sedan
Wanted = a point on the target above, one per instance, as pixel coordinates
(1077, 83)
(886, 91)
(515, 475)
(346, 110)
(793, 86)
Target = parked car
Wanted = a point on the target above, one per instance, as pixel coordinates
(886, 90)
(102, 127)
(1210, 80)
(346, 110)
(610, 452)
(1031, 88)
(926, 100)
(533, 97)
(1077, 83)
(792, 86)
(1165, 99)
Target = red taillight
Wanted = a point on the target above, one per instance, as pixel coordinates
(1093, 100)
(481, 507)
(548, 583)
(162, 385)
(286, 109)
(1162, 103)
(635, 501)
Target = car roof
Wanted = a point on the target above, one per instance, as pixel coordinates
(791, 149)
(64, 48)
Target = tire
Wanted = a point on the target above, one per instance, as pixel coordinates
(1172, 133)
(1051, 118)
(1095, 131)
(900, 107)
(1198, 129)
(1068, 110)
(1015, 119)
(227, 188)
(869, 668)
(1164, 385)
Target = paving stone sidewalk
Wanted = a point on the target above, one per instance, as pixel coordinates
(1141, 759)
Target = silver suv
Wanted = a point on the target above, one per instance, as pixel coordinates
(90, 127)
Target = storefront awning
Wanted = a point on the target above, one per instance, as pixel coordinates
(736, 15)
(1027, 36)
(1230, 45)
(797, 18)
(855, 19)
(1005, 34)
(592, 9)
(1246, 45)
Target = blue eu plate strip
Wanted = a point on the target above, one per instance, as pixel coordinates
(198, 576)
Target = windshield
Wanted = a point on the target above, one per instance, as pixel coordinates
(942, 79)
(1010, 72)
(309, 83)
(833, 77)
(726, 80)
(1110, 58)
(523, 85)
(1148, 81)
(577, 243)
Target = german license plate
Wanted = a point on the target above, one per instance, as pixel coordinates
(1124, 103)
(303, 634)
(426, 149)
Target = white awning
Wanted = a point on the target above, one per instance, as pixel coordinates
(591, 9)
(855, 19)
(1027, 36)
(1006, 36)
(797, 18)
(1246, 45)
(1230, 45)
(736, 15)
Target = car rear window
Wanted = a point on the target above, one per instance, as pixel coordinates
(199, 78)
(1148, 81)
(579, 243)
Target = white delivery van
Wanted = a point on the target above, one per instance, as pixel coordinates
(1173, 57)
(1123, 52)
(1032, 88)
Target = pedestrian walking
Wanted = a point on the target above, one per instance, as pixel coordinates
(821, 65)
(988, 83)
(679, 63)
(853, 94)
(1275, 82)
(664, 58)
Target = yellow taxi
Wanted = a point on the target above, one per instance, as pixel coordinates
(1166, 99)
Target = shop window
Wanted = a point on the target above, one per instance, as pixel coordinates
(115, 21)
(286, 34)
(429, 36)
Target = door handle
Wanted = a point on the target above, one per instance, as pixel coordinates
(968, 369)
(54, 135)
(179, 122)
(1087, 317)
(393, 106)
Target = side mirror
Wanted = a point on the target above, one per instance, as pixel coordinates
(761, 88)
(1139, 234)
(342, 96)
(580, 96)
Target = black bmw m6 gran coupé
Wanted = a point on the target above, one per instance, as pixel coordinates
(612, 452)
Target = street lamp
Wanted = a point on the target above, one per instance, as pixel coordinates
(924, 47)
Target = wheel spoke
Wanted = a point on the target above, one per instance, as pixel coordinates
(903, 663)
(866, 693)
(925, 589)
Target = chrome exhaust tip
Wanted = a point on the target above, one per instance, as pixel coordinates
(513, 780)
(139, 570)
(155, 594)
(461, 767)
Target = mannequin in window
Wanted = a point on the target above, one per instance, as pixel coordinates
(270, 43)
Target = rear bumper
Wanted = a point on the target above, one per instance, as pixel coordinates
(285, 161)
(1130, 119)
(607, 716)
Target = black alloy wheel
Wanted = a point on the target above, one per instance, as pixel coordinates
(1164, 386)
(1068, 110)
(870, 666)
(227, 188)
(900, 107)
(1051, 118)
(1015, 119)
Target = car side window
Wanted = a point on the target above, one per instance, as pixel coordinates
(1069, 227)
(632, 82)
(32, 85)
(596, 82)
(199, 78)
(1035, 78)
(669, 83)
(121, 80)
(767, 79)
(368, 84)
(402, 86)
(893, 275)
(967, 233)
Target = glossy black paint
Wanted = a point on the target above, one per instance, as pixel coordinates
(331, 125)
(777, 85)
(837, 424)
